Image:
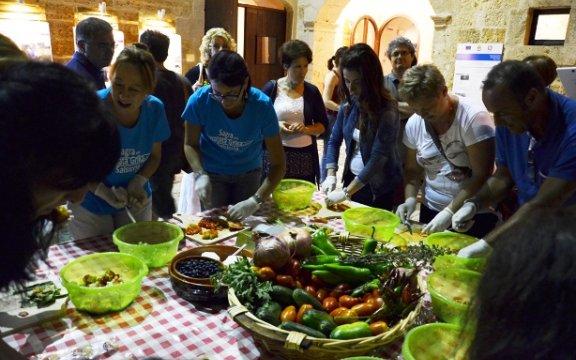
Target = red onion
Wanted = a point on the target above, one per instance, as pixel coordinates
(298, 239)
(271, 251)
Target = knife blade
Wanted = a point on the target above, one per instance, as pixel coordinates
(408, 225)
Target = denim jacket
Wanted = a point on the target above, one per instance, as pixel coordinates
(382, 166)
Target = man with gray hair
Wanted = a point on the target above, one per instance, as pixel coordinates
(94, 50)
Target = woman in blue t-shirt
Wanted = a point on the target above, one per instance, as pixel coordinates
(227, 124)
(142, 124)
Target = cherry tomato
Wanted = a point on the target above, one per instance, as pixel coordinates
(364, 309)
(330, 304)
(293, 267)
(338, 311)
(322, 294)
(346, 317)
(339, 290)
(266, 273)
(376, 293)
(298, 284)
(367, 296)
(288, 314)
(301, 312)
(310, 289)
(378, 327)
(285, 280)
(349, 301)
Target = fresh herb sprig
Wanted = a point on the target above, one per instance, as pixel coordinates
(251, 292)
(413, 256)
(41, 295)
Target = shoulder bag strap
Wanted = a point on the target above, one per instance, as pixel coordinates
(436, 140)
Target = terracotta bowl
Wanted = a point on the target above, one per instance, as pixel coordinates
(200, 289)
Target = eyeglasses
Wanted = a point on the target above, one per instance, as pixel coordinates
(224, 98)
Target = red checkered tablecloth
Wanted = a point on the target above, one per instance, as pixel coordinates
(157, 324)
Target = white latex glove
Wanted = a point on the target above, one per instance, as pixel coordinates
(478, 249)
(116, 197)
(406, 209)
(203, 188)
(329, 184)
(243, 209)
(137, 195)
(335, 197)
(462, 220)
(441, 222)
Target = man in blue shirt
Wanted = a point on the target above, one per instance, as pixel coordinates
(95, 48)
(535, 148)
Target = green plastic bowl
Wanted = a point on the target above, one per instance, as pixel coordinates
(453, 261)
(293, 194)
(435, 341)
(100, 300)
(359, 221)
(155, 242)
(454, 241)
(451, 291)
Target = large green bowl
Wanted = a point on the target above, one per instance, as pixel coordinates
(155, 242)
(293, 194)
(360, 220)
(100, 300)
(435, 341)
(454, 241)
(451, 291)
(454, 261)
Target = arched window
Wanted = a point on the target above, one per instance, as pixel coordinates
(365, 31)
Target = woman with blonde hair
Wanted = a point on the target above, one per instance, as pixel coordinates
(213, 41)
(141, 121)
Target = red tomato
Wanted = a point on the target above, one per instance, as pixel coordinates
(285, 280)
(378, 327)
(338, 311)
(288, 314)
(349, 301)
(364, 309)
(322, 294)
(346, 317)
(339, 290)
(329, 304)
(310, 289)
(301, 311)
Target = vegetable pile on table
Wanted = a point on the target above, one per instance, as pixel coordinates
(300, 281)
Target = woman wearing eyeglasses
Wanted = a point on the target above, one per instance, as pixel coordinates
(226, 126)
(450, 151)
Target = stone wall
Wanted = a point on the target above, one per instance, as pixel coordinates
(187, 15)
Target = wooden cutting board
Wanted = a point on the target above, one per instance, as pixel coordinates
(186, 220)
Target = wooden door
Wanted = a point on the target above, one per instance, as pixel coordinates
(221, 13)
(264, 33)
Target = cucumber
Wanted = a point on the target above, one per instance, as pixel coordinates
(270, 312)
(301, 297)
(318, 320)
(282, 294)
(354, 330)
(292, 326)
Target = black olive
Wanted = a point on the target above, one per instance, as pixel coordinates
(197, 267)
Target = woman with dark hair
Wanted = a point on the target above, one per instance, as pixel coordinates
(226, 126)
(524, 305)
(301, 113)
(332, 97)
(368, 123)
(142, 123)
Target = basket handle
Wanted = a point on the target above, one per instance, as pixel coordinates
(236, 310)
(294, 341)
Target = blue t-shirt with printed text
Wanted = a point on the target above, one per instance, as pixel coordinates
(136, 146)
(554, 154)
(232, 146)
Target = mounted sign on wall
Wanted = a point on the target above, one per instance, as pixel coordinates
(473, 62)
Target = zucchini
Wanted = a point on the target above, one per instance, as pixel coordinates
(301, 297)
(282, 294)
(292, 326)
(270, 312)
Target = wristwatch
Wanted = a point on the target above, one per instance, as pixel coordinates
(199, 173)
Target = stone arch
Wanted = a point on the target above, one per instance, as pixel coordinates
(332, 26)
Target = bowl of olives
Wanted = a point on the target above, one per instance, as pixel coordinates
(190, 272)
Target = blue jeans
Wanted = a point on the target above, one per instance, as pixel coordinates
(231, 189)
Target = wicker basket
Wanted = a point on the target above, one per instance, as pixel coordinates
(281, 344)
